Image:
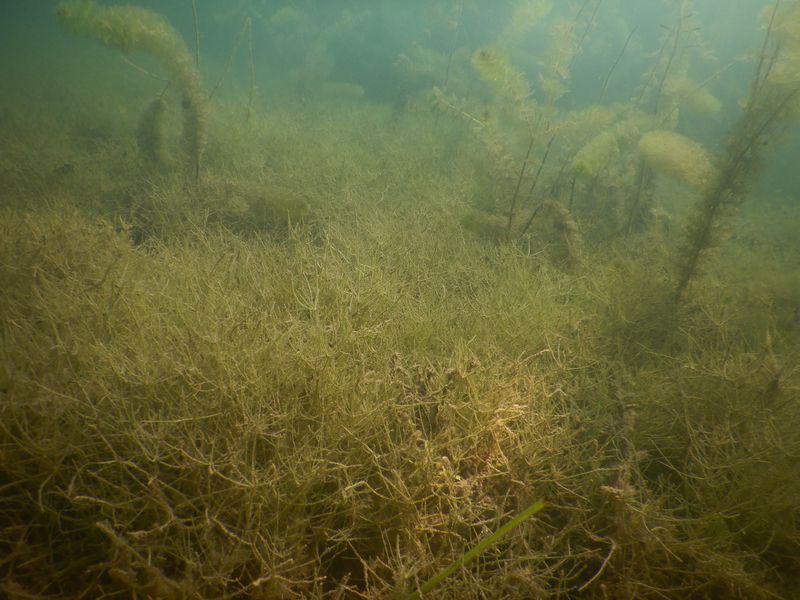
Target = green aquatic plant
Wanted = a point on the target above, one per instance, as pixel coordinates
(513, 95)
(773, 98)
(567, 42)
(132, 28)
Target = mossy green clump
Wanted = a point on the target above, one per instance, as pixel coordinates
(596, 154)
(693, 96)
(678, 157)
(131, 28)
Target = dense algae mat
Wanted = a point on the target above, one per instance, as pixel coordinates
(180, 422)
(326, 368)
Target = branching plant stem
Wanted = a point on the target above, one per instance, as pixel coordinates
(513, 206)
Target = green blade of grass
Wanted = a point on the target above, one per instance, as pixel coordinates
(478, 549)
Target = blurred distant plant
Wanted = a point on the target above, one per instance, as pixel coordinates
(568, 37)
(245, 32)
(609, 155)
(678, 156)
(317, 61)
(525, 128)
(664, 90)
(152, 133)
(666, 84)
(132, 28)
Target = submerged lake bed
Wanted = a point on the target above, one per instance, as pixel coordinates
(445, 299)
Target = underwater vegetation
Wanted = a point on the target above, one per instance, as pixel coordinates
(677, 156)
(443, 300)
(131, 28)
(774, 97)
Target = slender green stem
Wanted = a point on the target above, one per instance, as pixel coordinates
(196, 35)
(478, 549)
(513, 206)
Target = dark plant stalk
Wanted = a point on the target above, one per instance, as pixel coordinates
(539, 170)
(535, 181)
(585, 33)
(759, 79)
(512, 209)
(614, 65)
(572, 192)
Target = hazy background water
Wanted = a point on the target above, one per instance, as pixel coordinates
(362, 43)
